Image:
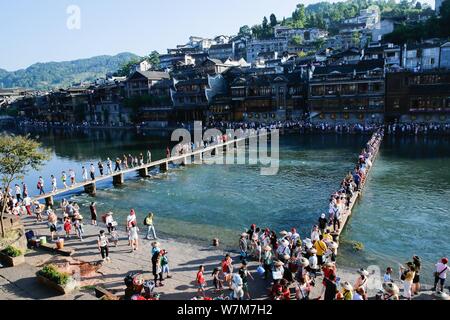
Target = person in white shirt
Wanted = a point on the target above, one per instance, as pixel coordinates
(53, 181)
(108, 166)
(315, 234)
(441, 274)
(18, 192)
(72, 176)
(313, 262)
(84, 174)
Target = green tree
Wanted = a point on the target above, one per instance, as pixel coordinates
(245, 31)
(18, 154)
(297, 40)
(273, 20)
(153, 58)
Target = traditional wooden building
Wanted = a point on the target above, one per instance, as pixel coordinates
(348, 93)
(418, 96)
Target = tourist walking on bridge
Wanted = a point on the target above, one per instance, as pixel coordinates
(149, 156)
(53, 182)
(40, 185)
(84, 174)
(18, 192)
(72, 177)
(124, 162)
(24, 190)
(100, 167)
(118, 163)
(108, 166)
(92, 171)
(64, 179)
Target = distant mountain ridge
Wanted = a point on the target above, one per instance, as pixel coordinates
(53, 75)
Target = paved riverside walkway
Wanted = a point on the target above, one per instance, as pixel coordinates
(184, 259)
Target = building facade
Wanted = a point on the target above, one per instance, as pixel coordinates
(352, 93)
(418, 96)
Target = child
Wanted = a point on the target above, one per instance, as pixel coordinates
(165, 264)
(200, 280)
(67, 227)
(114, 236)
(216, 280)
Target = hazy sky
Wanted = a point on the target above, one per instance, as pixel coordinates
(36, 31)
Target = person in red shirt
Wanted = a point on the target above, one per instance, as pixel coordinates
(201, 281)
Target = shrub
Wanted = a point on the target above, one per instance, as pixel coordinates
(12, 251)
(51, 272)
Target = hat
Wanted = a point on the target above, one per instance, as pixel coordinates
(363, 272)
(278, 263)
(283, 233)
(267, 248)
(304, 262)
(346, 285)
(244, 234)
(322, 215)
(286, 257)
(313, 251)
(391, 288)
(307, 240)
(329, 264)
(308, 245)
(109, 213)
(444, 260)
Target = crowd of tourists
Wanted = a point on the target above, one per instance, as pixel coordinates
(418, 128)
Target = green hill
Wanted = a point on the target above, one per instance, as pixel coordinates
(52, 75)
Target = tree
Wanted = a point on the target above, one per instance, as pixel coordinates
(245, 31)
(297, 40)
(273, 20)
(153, 58)
(418, 6)
(265, 23)
(18, 154)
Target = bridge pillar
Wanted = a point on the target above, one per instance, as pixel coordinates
(118, 179)
(164, 167)
(143, 172)
(91, 189)
(49, 202)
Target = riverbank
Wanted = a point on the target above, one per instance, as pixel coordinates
(184, 260)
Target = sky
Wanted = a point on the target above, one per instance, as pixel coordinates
(41, 31)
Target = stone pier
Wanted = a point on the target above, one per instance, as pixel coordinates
(118, 179)
(143, 173)
(90, 189)
(49, 201)
(164, 167)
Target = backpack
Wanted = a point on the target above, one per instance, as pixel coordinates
(145, 221)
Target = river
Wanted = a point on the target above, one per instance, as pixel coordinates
(403, 211)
